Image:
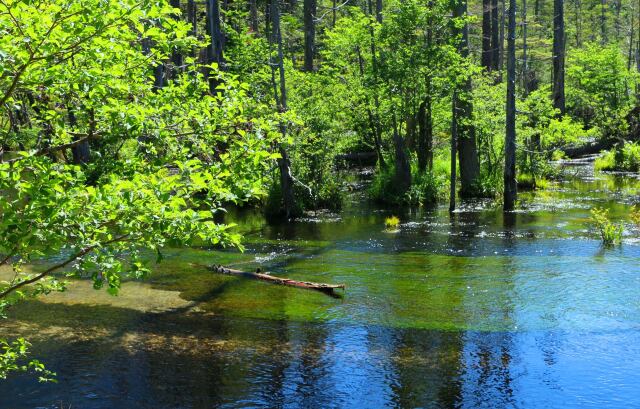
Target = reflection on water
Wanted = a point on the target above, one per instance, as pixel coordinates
(471, 310)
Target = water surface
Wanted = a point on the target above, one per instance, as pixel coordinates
(472, 310)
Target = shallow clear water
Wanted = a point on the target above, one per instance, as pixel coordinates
(473, 310)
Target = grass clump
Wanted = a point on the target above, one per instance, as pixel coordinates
(391, 222)
(610, 233)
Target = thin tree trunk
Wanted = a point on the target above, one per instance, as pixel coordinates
(510, 187)
(425, 132)
(525, 61)
(284, 163)
(309, 33)
(631, 40)
(603, 22)
(558, 56)
(638, 59)
(402, 166)
(500, 50)
(486, 57)
(192, 16)
(495, 35)
(334, 11)
(176, 55)
(372, 121)
(578, 9)
(454, 148)
(253, 17)
(374, 67)
(379, 11)
(81, 152)
(214, 50)
(467, 149)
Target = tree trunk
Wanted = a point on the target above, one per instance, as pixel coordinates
(638, 59)
(425, 112)
(558, 56)
(334, 10)
(81, 152)
(525, 61)
(372, 121)
(500, 47)
(487, 54)
(467, 149)
(603, 22)
(374, 67)
(631, 40)
(284, 163)
(176, 55)
(425, 132)
(253, 17)
(510, 187)
(309, 33)
(214, 50)
(578, 8)
(454, 148)
(402, 175)
(495, 36)
(379, 11)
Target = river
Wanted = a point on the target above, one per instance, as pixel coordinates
(468, 310)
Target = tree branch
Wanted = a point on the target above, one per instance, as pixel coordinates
(63, 264)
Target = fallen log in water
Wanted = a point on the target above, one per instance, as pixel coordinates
(322, 287)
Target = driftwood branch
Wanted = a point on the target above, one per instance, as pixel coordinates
(328, 289)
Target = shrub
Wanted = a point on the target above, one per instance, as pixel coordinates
(610, 233)
(635, 216)
(425, 188)
(625, 158)
(526, 181)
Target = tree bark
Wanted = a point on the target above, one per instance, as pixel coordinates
(638, 58)
(467, 149)
(510, 186)
(284, 163)
(322, 287)
(374, 67)
(487, 53)
(379, 11)
(495, 36)
(402, 166)
(454, 148)
(578, 10)
(253, 17)
(81, 152)
(500, 48)
(214, 50)
(525, 61)
(309, 33)
(425, 132)
(603, 22)
(176, 55)
(377, 140)
(558, 56)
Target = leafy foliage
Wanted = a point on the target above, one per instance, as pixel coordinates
(609, 232)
